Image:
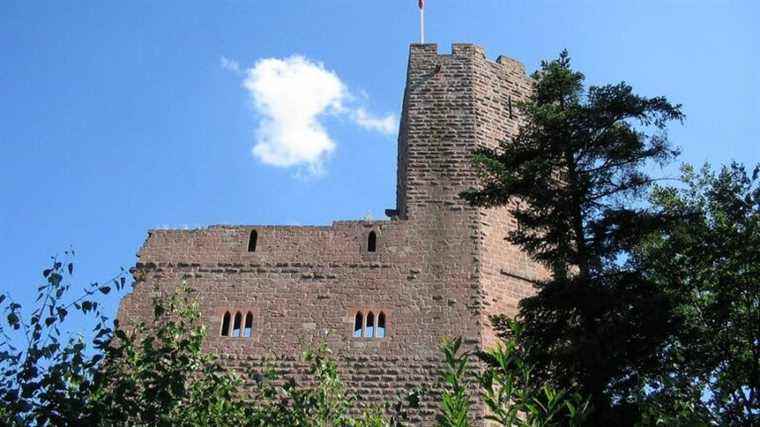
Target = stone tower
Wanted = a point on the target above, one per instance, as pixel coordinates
(381, 294)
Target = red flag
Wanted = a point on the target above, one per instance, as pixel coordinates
(422, 4)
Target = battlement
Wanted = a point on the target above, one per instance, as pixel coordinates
(467, 50)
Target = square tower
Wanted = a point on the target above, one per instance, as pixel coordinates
(454, 104)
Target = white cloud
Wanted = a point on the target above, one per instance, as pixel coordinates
(291, 96)
(230, 64)
(387, 125)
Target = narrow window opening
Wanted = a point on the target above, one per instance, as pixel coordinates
(226, 325)
(372, 242)
(248, 330)
(252, 241)
(359, 319)
(380, 332)
(236, 325)
(370, 328)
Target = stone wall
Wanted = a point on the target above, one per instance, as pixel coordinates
(440, 267)
(304, 285)
(507, 273)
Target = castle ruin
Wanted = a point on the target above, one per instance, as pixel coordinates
(381, 294)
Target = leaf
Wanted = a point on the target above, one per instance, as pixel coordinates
(104, 289)
(55, 279)
(71, 268)
(13, 320)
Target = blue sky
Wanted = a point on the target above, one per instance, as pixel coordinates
(118, 117)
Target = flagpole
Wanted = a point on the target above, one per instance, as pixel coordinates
(422, 25)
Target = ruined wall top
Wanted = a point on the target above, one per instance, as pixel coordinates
(454, 103)
(510, 65)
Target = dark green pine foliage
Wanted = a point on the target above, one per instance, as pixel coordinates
(578, 167)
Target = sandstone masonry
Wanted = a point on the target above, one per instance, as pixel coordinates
(438, 267)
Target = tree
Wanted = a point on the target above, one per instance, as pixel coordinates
(44, 377)
(708, 262)
(155, 372)
(455, 399)
(573, 178)
(327, 402)
(513, 394)
(505, 383)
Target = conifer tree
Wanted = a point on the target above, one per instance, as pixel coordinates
(573, 177)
